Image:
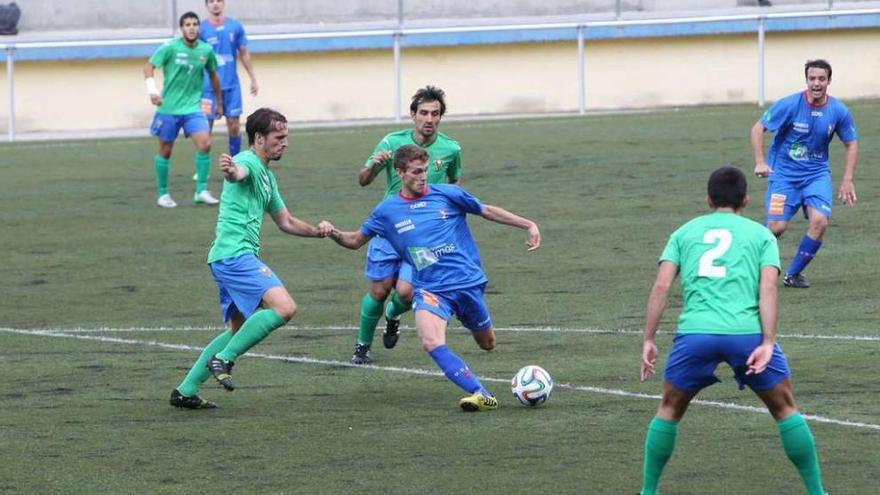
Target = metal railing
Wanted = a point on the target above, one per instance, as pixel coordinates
(398, 33)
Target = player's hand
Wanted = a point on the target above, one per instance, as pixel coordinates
(762, 170)
(325, 228)
(156, 99)
(227, 166)
(649, 359)
(534, 240)
(254, 88)
(847, 193)
(380, 158)
(218, 112)
(759, 359)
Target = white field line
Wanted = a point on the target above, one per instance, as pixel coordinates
(588, 330)
(423, 372)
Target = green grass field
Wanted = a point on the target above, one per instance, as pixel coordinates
(106, 301)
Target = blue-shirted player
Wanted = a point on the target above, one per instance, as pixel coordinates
(229, 41)
(426, 225)
(797, 163)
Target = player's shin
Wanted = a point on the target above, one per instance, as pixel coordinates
(161, 165)
(255, 329)
(805, 253)
(800, 447)
(371, 311)
(234, 145)
(203, 167)
(199, 373)
(456, 370)
(397, 307)
(659, 444)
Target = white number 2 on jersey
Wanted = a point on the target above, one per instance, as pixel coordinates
(707, 268)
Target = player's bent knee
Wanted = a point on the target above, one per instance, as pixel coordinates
(379, 292)
(486, 340)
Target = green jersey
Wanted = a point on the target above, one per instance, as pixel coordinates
(720, 257)
(444, 159)
(242, 207)
(183, 70)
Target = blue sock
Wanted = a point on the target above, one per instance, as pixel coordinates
(234, 145)
(805, 254)
(456, 370)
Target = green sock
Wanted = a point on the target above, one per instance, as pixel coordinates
(397, 307)
(255, 329)
(659, 444)
(800, 447)
(371, 311)
(203, 167)
(161, 165)
(199, 372)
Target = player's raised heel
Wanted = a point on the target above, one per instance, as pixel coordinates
(190, 402)
(391, 333)
(796, 281)
(478, 402)
(222, 372)
(166, 201)
(205, 197)
(361, 354)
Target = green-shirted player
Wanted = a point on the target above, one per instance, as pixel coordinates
(253, 301)
(183, 62)
(383, 266)
(729, 267)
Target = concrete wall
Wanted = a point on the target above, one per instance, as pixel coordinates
(479, 79)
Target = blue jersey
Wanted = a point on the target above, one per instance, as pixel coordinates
(431, 233)
(225, 39)
(803, 131)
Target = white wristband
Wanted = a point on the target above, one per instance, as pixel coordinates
(151, 86)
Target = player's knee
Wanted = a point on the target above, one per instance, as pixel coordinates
(486, 341)
(819, 224)
(405, 291)
(379, 292)
(204, 147)
(778, 228)
(286, 310)
(429, 344)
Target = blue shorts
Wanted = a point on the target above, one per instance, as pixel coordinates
(784, 198)
(467, 304)
(383, 262)
(241, 282)
(231, 103)
(694, 357)
(167, 127)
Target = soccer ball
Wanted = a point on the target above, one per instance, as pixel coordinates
(531, 385)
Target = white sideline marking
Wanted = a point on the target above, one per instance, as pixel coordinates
(422, 372)
(588, 330)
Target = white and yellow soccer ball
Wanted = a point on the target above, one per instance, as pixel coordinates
(531, 385)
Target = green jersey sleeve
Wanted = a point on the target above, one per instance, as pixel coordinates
(671, 252)
(160, 56)
(275, 201)
(770, 252)
(211, 62)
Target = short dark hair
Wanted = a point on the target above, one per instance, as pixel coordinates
(428, 94)
(818, 64)
(188, 15)
(262, 122)
(727, 188)
(407, 154)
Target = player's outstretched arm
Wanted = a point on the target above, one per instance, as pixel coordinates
(756, 138)
(656, 304)
(294, 226)
(767, 293)
(231, 171)
(847, 191)
(500, 215)
(350, 240)
(152, 90)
